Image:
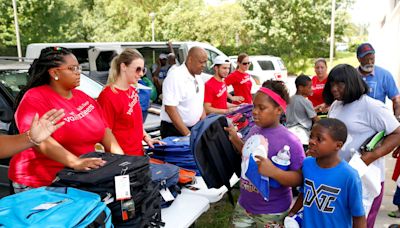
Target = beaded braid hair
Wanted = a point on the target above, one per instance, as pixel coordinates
(38, 73)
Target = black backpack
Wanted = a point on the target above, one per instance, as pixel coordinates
(215, 156)
(145, 195)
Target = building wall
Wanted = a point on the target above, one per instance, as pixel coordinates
(384, 35)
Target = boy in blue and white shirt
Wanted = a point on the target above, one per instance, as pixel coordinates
(331, 192)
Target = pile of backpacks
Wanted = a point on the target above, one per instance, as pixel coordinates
(79, 198)
(176, 150)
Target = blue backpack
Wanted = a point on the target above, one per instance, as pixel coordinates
(176, 151)
(54, 207)
(215, 156)
(166, 176)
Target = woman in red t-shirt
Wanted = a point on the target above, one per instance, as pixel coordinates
(318, 84)
(240, 80)
(120, 102)
(53, 78)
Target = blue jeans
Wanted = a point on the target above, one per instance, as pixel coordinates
(396, 197)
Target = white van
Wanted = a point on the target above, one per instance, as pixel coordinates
(265, 67)
(95, 57)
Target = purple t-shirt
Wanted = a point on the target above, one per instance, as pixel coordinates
(279, 198)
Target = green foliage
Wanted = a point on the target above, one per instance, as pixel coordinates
(292, 29)
(7, 34)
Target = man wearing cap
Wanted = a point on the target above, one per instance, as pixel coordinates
(381, 85)
(380, 81)
(159, 71)
(183, 95)
(216, 94)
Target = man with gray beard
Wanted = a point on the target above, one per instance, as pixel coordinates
(380, 81)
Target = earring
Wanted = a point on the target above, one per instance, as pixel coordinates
(56, 78)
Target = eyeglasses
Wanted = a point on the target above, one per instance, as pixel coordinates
(197, 85)
(141, 69)
(74, 68)
(246, 63)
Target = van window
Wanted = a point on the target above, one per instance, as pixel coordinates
(81, 54)
(104, 59)
(210, 56)
(13, 81)
(151, 55)
(281, 65)
(266, 65)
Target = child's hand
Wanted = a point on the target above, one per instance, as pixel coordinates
(232, 133)
(265, 166)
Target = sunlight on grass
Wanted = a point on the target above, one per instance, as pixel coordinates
(341, 57)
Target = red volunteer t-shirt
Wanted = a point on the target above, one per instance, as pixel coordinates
(124, 116)
(84, 127)
(317, 88)
(216, 94)
(241, 86)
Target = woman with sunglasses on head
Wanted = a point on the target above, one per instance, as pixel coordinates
(120, 102)
(240, 80)
(53, 78)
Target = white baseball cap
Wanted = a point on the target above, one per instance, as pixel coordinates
(162, 56)
(220, 60)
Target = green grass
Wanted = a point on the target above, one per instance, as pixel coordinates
(341, 57)
(220, 213)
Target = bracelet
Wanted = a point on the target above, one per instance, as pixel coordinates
(30, 138)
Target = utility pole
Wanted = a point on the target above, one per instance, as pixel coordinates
(332, 46)
(153, 16)
(17, 30)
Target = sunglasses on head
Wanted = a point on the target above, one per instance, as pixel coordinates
(141, 69)
(246, 63)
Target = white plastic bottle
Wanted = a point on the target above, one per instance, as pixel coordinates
(282, 161)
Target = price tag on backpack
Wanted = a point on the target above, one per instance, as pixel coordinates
(122, 187)
(167, 195)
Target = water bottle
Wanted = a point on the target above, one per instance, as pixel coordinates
(294, 221)
(282, 161)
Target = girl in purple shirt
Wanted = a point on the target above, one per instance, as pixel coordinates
(269, 103)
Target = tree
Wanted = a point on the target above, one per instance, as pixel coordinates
(293, 29)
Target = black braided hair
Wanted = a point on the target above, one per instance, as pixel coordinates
(38, 74)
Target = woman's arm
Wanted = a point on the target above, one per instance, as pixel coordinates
(149, 141)
(388, 145)
(55, 151)
(40, 129)
(110, 143)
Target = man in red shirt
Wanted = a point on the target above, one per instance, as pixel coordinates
(215, 95)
